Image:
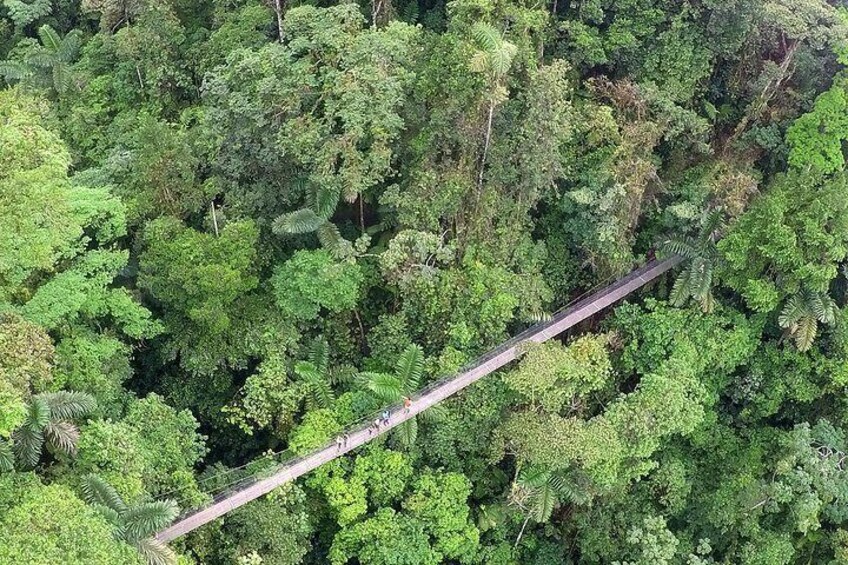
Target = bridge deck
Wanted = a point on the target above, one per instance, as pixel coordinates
(427, 397)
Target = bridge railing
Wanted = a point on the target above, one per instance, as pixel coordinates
(288, 459)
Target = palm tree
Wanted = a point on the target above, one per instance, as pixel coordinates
(537, 492)
(135, 524)
(48, 65)
(802, 313)
(390, 389)
(695, 281)
(493, 60)
(315, 376)
(49, 422)
(316, 218)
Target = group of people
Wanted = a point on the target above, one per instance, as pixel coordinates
(383, 420)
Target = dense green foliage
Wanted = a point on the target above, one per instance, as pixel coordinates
(237, 227)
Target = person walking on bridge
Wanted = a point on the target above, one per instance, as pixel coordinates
(407, 402)
(386, 417)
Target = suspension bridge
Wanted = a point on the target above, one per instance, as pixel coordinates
(254, 487)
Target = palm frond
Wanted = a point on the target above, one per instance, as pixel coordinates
(319, 354)
(712, 222)
(823, 307)
(410, 367)
(68, 405)
(62, 436)
(147, 518)
(544, 501)
(300, 221)
(500, 60)
(567, 491)
(70, 46)
(326, 201)
(43, 59)
(486, 36)
(320, 392)
(332, 240)
(14, 70)
(387, 388)
(533, 476)
(804, 333)
(28, 444)
(50, 38)
(98, 492)
(794, 309)
(7, 457)
(407, 433)
(155, 552)
(680, 290)
(38, 413)
(686, 247)
(433, 414)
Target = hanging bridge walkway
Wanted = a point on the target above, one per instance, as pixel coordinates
(435, 392)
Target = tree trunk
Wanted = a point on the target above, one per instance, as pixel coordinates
(278, 8)
(758, 106)
(485, 148)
